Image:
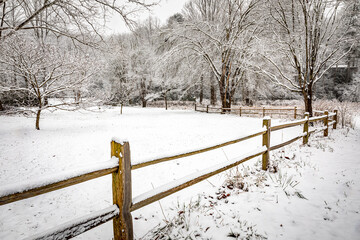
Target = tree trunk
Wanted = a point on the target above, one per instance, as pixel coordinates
(308, 102)
(1, 106)
(222, 95)
(37, 126)
(165, 98)
(201, 88)
(212, 89)
(143, 93)
(213, 95)
(224, 87)
(225, 100)
(228, 100)
(77, 96)
(37, 123)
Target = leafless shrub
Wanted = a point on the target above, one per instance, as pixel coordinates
(347, 111)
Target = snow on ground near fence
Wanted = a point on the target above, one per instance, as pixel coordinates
(72, 139)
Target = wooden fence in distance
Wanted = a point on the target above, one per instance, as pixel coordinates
(246, 111)
(124, 203)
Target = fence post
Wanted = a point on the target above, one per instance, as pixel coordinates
(335, 118)
(207, 108)
(263, 111)
(240, 111)
(306, 128)
(326, 124)
(195, 107)
(121, 108)
(295, 108)
(266, 142)
(122, 194)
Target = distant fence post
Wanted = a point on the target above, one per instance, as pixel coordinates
(263, 111)
(306, 128)
(222, 110)
(195, 107)
(122, 194)
(326, 124)
(240, 111)
(266, 142)
(295, 108)
(121, 108)
(335, 118)
(207, 108)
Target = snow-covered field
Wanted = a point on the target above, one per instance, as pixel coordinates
(310, 193)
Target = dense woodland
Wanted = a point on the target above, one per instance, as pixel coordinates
(224, 52)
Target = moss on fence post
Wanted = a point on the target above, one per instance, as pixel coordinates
(122, 193)
(326, 124)
(266, 142)
(306, 128)
(335, 118)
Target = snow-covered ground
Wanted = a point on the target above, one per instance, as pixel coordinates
(310, 193)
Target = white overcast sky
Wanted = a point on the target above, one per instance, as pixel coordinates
(163, 11)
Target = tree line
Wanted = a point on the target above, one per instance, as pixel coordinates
(219, 50)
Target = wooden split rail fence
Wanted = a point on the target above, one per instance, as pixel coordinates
(246, 111)
(124, 203)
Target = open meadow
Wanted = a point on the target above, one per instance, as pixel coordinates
(309, 192)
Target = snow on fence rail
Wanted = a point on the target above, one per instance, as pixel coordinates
(19, 191)
(120, 167)
(78, 226)
(197, 151)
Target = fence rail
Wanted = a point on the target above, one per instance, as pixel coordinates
(287, 125)
(175, 186)
(78, 226)
(35, 191)
(123, 202)
(190, 153)
(251, 110)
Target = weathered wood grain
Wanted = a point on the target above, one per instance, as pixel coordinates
(122, 192)
(326, 124)
(266, 142)
(306, 129)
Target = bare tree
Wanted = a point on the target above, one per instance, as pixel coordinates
(142, 57)
(66, 70)
(70, 18)
(79, 20)
(221, 33)
(116, 72)
(304, 44)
